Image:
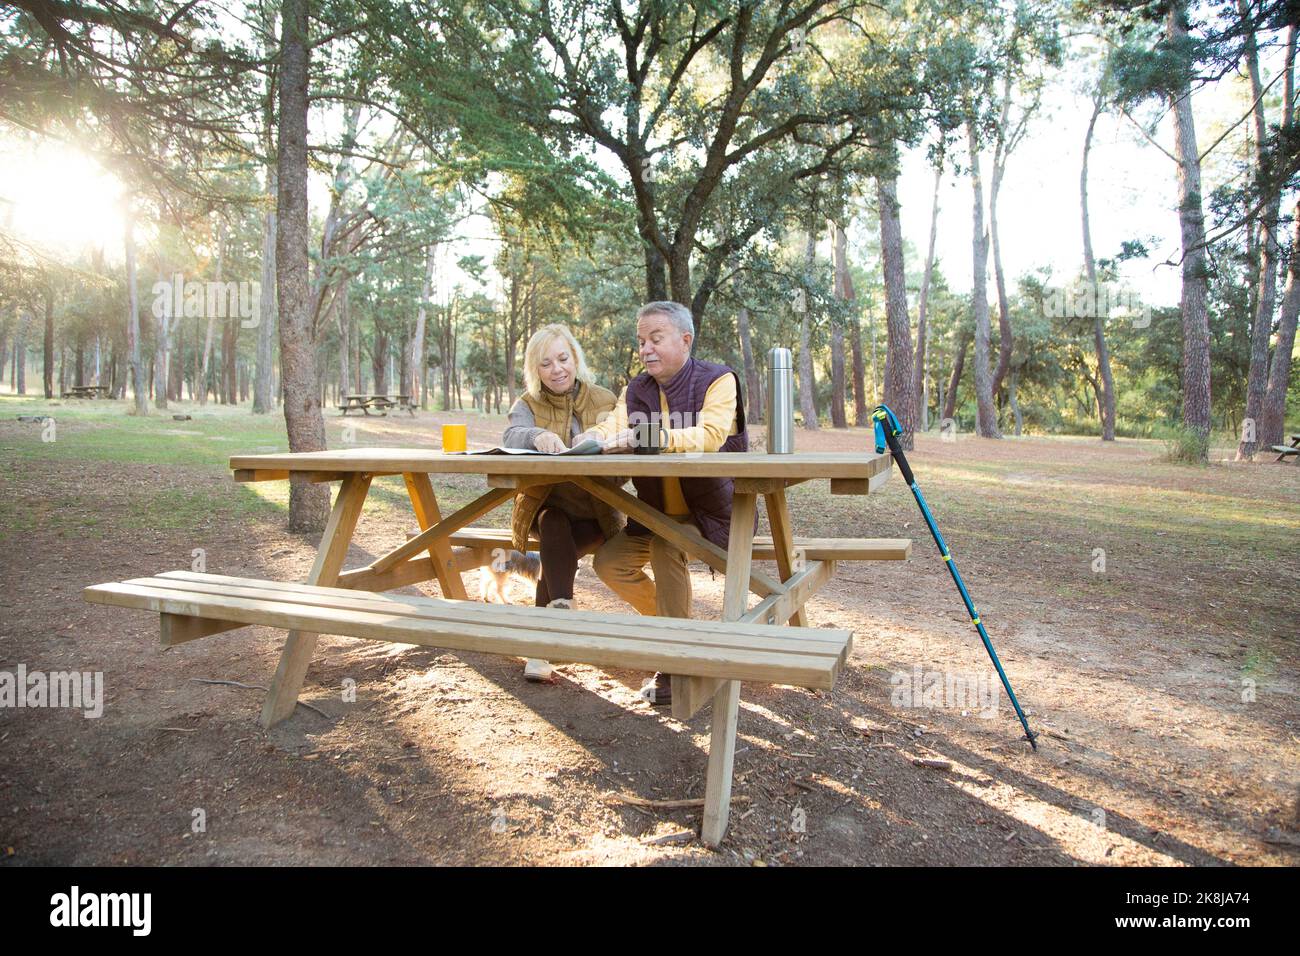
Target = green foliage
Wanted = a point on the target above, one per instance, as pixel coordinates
(1185, 446)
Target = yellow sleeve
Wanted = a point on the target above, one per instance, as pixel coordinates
(613, 422)
(716, 421)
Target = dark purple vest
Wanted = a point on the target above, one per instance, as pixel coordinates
(709, 499)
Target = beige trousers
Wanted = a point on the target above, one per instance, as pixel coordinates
(620, 562)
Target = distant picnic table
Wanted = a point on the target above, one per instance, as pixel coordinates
(85, 391)
(1286, 451)
(378, 403)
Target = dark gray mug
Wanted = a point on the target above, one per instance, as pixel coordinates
(648, 438)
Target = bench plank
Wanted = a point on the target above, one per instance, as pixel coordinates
(593, 623)
(709, 649)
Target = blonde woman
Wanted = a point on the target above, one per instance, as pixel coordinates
(560, 401)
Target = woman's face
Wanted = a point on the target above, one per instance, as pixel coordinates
(557, 369)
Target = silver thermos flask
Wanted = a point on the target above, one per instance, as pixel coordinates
(780, 402)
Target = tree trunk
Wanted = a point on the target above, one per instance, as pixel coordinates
(656, 276)
(512, 333)
(20, 355)
(138, 385)
(379, 362)
(229, 348)
(1006, 341)
(920, 390)
(845, 293)
(1013, 401)
(1196, 326)
(899, 393)
(1272, 422)
(986, 416)
(861, 414)
(447, 349)
(354, 340)
(415, 348)
(344, 319)
(264, 392)
(807, 383)
(178, 365)
(1270, 253)
(754, 409)
(48, 351)
(161, 360)
(950, 401)
(308, 503)
(1107, 403)
(263, 384)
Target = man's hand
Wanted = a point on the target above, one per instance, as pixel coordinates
(620, 442)
(550, 443)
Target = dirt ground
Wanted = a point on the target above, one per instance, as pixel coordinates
(1165, 685)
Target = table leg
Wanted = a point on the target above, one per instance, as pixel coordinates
(298, 648)
(778, 516)
(726, 701)
(425, 503)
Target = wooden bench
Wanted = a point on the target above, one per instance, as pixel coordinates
(729, 650)
(1285, 451)
(194, 605)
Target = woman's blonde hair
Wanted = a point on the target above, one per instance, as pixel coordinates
(538, 345)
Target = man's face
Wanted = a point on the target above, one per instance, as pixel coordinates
(663, 348)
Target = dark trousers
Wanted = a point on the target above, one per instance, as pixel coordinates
(564, 541)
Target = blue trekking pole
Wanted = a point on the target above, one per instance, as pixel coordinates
(887, 432)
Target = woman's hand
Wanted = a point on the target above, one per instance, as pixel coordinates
(550, 443)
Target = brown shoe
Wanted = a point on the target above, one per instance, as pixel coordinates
(658, 691)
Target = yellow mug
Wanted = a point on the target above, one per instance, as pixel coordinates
(453, 438)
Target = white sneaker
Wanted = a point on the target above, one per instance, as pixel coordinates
(538, 671)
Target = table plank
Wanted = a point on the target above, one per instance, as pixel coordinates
(801, 465)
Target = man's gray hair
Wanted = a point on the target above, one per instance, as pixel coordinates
(676, 312)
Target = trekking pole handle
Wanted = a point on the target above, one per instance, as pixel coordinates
(887, 432)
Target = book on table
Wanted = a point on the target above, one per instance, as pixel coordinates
(589, 447)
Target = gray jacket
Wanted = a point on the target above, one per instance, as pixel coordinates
(522, 432)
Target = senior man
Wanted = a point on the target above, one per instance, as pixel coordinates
(700, 406)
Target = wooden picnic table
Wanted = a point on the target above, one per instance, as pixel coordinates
(1286, 451)
(85, 391)
(380, 403)
(708, 660)
(783, 597)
